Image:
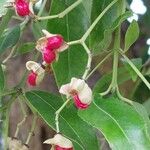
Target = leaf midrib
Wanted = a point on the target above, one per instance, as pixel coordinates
(63, 119)
(115, 121)
(68, 38)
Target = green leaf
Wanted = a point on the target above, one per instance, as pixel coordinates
(103, 83)
(25, 48)
(137, 62)
(106, 41)
(142, 111)
(5, 21)
(123, 76)
(82, 134)
(72, 27)
(2, 80)
(10, 38)
(121, 125)
(72, 62)
(132, 34)
(99, 34)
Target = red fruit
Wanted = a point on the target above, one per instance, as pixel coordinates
(55, 42)
(61, 148)
(22, 8)
(78, 102)
(32, 79)
(49, 56)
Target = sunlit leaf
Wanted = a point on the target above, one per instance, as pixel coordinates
(121, 125)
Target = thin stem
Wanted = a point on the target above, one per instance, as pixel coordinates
(17, 18)
(137, 83)
(136, 70)
(42, 8)
(63, 13)
(98, 65)
(47, 17)
(107, 91)
(10, 54)
(24, 23)
(123, 98)
(66, 11)
(113, 86)
(8, 93)
(23, 120)
(97, 20)
(74, 42)
(22, 107)
(115, 70)
(88, 66)
(31, 133)
(115, 61)
(58, 113)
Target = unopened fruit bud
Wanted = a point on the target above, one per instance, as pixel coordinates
(22, 8)
(32, 79)
(49, 56)
(55, 42)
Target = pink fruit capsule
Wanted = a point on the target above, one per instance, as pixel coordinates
(22, 8)
(55, 42)
(59, 142)
(49, 56)
(61, 148)
(78, 102)
(32, 79)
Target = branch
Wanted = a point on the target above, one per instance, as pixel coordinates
(136, 70)
(63, 13)
(97, 20)
(58, 113)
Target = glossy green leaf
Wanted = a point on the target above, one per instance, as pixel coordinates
(72, 62)
(106, 41)
(132, 34)
(103, 83)
(25, 48)
(121, 125)
(123, 76)
(2, 80)
(99, 34)
(143, 112)
(137, 62)
(82, 134)
(10, 38)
